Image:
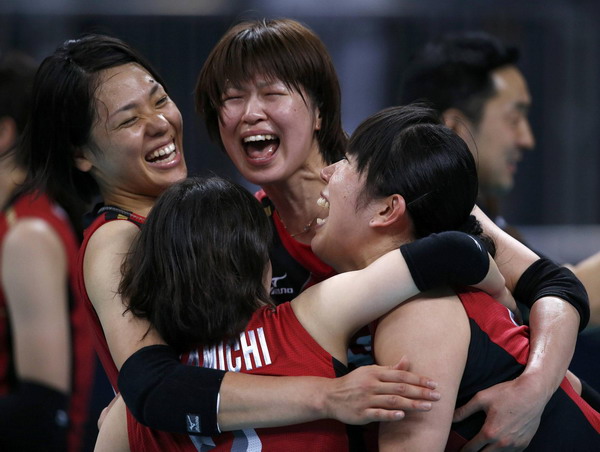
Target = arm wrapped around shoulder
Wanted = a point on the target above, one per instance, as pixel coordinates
(165, 394)
(545, 278)
(448, 258)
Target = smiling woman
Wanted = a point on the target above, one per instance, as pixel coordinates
(102, 122)
(135, 150)
(270, 97)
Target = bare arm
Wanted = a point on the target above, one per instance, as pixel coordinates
(435, 333)
(368, 394)
(514, 408)
(102, 273)
(112, 433)
(242, 396)
(333, 310)
(35, 279)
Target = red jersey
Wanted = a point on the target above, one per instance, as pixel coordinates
(40, 206)
(105, 214)
(295, 266)
(498, 351)
(273, 343)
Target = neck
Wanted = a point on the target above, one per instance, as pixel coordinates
(295, 201)
(369, 251)
(127, 201)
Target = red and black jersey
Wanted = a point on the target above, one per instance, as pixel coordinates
(498, 352)
(105, 214)
(83, 360)
(273, 343)
(295, 266)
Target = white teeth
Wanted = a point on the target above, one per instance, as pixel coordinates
(259, 138)
(320, 221)
(322, 202)
(162, 152)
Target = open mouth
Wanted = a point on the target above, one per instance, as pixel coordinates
(260, 147)
(165, 154)
(322, 202)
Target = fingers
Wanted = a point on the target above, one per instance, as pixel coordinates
(484, 443)
(471, 407)
(394, 375)
(476, 444)
(105, 411)
(391, 401)
(381, 415)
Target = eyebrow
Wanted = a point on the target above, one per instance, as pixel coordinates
(263, 83)
(133, 104)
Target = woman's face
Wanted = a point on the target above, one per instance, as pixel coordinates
(339, 237)
(268, 130)
(136, 141)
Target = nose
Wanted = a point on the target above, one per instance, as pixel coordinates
(158, 124)
(253, 111)
(327, 172)
(525, 138)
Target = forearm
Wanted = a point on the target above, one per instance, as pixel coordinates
(272, 402)
(553, 333)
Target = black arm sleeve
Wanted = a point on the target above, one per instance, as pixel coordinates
(544, 278)
(447, 258)
(165, 394)
(34, 418)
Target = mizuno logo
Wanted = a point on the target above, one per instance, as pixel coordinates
(193, 423)
(276, 279)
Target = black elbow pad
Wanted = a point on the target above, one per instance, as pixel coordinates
(448, 258)
(164, 394)
(545, 278)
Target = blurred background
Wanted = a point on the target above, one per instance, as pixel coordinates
(555, 199)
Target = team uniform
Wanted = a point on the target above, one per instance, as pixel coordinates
(273, 343)
(498, 352)
(296, 267)
(82, 357)
(105, 215)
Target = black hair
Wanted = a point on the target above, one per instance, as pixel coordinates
(281, 49)
(408, 151)
(62, 114)
(454, 71)
(197, 268)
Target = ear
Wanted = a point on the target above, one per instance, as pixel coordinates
(82, 161)
(317, 118)
(456, 120)
(8, 133)
(388, 211)
(453, 118)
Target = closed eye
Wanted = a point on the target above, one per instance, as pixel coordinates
(163, 100)
(128, 122)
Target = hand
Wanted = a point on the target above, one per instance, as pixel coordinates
(379, 393)
(507, 299)
(105, 411)
(513, 411)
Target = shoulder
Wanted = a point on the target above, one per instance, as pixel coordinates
(32, 236)
(112, 236)
(106, 248)
(439, 315)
